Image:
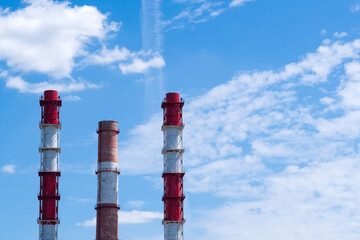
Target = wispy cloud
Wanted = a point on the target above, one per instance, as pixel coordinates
(86, 140)
(10, 168)
(139, 136)
(201, 12)
(238, 3)
(243, 94)
(280, 146)
(135, 204)
(355, 7)
(152, 40)
(76, 201)
(87, 223)
(340, 35)
(195, 11)
(79, 168)
(27, 87)
(132, 217)
(150, 238)
(300, 203)
(71, 98)
(153, 28)
(136, 217)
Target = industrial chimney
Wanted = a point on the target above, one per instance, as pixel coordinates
(173, 167)
(107, 173)
(49, 165)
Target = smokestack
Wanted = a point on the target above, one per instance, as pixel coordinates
(107, 173)
(49, 165)
(173, 167)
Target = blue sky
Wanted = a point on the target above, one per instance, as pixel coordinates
(271, 113)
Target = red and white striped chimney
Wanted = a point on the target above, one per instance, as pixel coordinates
(107, 173)
(49, 165)
(173, 167)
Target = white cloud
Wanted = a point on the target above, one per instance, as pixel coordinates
(152, 29)
(238, 3)
(158, 237)
(326, 41)
(226, 178)
(79, 168)
(340, 35)
(87, 223)
(108, 56)
(3, 73)
(323, 32)
(141, 66)
(75, 200)
(46, 36)
(53, 38)
(199, 11)
(315, 202)
(352, 70)
(327, 100)
(350, 90)
(132, 217)
(247, 94)
(82, 141)
(135, 204)
(262, 142)
(71, 98)
(261, 148)
(355, 7)
(10, 168)
(136, 217)
(139, 136)
(217, 12)
(189, 1)
(27, 87)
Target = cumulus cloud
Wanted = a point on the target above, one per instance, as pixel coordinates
(10, 168)
(350, 89)
(108, 56)
(53, 38)
(243, 94)
(46, 36)
(132, 217)
(300, 203)
(27, 87)
(142, 66)
(280, 147)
